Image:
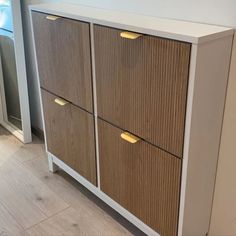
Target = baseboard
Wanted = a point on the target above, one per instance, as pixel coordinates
(38, 132)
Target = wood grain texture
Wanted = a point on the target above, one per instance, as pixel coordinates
(28, 214)
(70, 135)
(72, 222)
(63, 55)
(8, 225)
(106, 220)
(26, 184)
(142, 178)
(23, 196)
(142, 85)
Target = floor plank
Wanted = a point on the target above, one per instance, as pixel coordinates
(8, 225)
(9, 145)
(26, 213)
(77, 196)
(41, 203)
(71, 223)
(27, 185)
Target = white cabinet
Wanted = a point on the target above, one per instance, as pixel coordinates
(178, 136)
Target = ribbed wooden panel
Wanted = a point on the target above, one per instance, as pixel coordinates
(70, 135)
(142, 85)
(63, 54)
(140, 177)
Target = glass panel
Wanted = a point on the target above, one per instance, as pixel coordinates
(6, 15)
(7, 53)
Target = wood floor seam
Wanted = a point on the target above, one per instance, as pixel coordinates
(49, 217)
(37, 202)
(1, 204)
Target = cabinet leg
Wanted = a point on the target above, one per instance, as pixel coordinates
(51, 165)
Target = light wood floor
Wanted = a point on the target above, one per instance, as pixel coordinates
(35, 202)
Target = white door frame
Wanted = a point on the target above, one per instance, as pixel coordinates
(25, 134)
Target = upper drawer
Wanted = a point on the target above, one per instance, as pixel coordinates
(142, 85)
(63, 55)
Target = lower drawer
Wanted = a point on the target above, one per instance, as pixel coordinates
(140, 177)
(70, 135)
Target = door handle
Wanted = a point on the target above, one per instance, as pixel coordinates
(53, 18)
(129, 35)
(60, 101)
(129, 137)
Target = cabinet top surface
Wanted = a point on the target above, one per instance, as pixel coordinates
(174, 29)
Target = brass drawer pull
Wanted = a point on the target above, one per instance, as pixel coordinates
(60, 101)
(129, 137)
(130, 35)
(52, 17)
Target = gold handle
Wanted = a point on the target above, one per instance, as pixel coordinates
(129, 137)
(130, 35)
(52, 17)
(60, 101)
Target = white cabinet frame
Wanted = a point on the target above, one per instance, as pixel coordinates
(208, 75)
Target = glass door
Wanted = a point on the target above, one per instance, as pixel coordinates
(13, 86)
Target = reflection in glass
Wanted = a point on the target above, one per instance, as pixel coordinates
(7, 54)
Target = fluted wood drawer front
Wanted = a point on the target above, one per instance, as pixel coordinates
(140, 177)
(142, 85)
(70, 135)
(63, 55)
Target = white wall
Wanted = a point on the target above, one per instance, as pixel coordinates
(209, 11)
(221, 12)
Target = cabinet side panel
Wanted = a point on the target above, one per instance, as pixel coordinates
(224, 207)
(202, 135)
